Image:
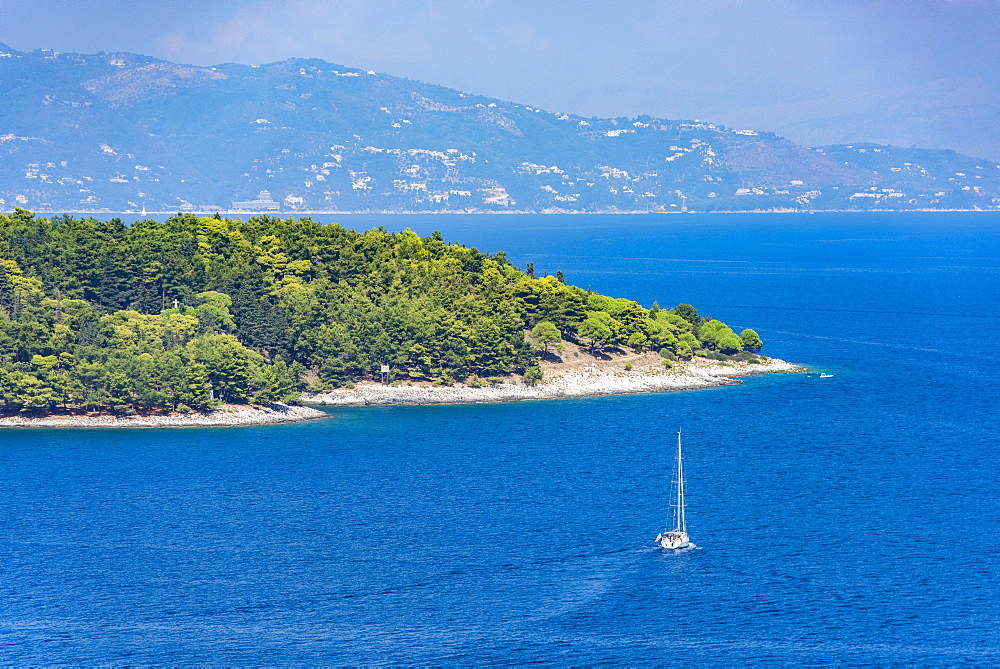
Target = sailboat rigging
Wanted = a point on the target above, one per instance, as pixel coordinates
(677, 537)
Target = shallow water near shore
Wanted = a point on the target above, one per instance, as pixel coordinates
(842, 520)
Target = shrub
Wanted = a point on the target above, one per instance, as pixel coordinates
(318, 386)
(532, 375)
(628, 366)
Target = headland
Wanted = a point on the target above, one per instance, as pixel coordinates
(581, 376)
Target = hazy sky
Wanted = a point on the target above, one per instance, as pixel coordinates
(678, 59)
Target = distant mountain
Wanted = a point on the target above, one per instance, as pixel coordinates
(959, 114)
(123, 132)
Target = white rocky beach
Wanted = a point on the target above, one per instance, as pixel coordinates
(575, 375)
(228, 415)
(622, 375)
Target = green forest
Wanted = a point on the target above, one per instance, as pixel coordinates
(193, 312)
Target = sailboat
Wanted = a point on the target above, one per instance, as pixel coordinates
(677, 538)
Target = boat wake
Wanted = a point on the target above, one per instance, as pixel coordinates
(684, 549)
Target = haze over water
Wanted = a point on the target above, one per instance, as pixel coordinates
(842, 520)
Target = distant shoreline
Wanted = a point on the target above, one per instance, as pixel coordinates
(515, 212)
(583, 381)
(229, 415)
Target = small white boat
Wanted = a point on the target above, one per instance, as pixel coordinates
(824, 375)
(677, 537)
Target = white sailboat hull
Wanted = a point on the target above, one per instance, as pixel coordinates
(674, 541)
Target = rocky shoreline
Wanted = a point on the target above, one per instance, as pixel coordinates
(581, 380)
(229, 415)
(595, 379)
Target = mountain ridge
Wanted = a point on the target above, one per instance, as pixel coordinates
(961, 114)
(120, 132)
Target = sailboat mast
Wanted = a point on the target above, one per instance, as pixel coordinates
(681, 520)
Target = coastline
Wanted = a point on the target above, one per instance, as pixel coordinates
(597, 378)
(228, 415)
(511, 212)
(587, 378)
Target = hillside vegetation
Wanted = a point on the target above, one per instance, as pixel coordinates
(191, 312)
(119, 132)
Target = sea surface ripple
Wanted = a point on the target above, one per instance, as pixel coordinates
(843, 520)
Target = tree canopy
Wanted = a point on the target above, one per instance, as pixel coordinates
(193, 311)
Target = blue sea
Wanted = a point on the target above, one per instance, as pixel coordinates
(844, 520)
